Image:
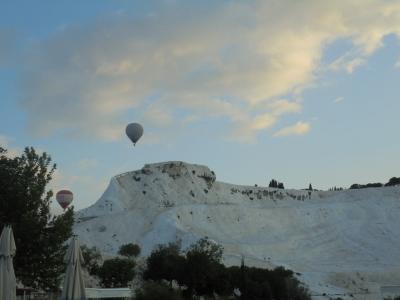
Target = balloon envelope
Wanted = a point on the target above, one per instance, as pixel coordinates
(64, 198)
(134, 131)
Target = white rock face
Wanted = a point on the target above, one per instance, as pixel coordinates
(340, 242)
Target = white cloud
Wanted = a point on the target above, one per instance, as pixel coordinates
(338, 99)
(348, 63)
(230, 61)
(300, 128)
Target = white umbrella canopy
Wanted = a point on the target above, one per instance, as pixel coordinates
(74, 287)
(8, 282)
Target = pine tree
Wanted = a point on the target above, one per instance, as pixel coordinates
(24, 203)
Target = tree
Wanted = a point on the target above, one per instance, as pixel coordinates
(275, 184)
(204, 273)
(24, 203)
(129, 250)
(92, 258)
(166, 262)
(393, 181)
(210, 249)
(310, 187)
(116, 272)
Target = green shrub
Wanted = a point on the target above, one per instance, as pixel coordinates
(165, 263)
(129, 250)
(116, 272)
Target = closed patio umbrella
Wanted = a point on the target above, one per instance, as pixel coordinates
(74, 288)
(7, 276)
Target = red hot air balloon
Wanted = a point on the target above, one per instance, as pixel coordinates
(64, 198)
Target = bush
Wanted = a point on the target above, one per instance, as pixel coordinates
(157, 291)
(165, 263)
(116, 272)
(262, 284)
(368, 185)
(202, 274)
(129, 250)
(393, 181)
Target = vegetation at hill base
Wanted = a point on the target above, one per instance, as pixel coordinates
(91, 259)
(129, 250)
(115, 272)
(40, 237)
(199, 272)
(173, 274)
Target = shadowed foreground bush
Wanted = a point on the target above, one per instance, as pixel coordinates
(200, 272)
(156, 291)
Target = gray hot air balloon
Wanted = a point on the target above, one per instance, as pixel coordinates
(134, 131)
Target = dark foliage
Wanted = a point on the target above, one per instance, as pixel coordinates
(92, 258)
(201, 272)
(336, 188)
(157, 291)
(393, 181)
(263, 284)
(204, 274)
(275, 184)
(24, 203)
(368, 185)
(116, 272)
(129, 250)
(165, 263)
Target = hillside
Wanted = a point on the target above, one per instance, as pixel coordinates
(338, 241)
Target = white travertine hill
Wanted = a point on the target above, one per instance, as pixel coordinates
(342, 242)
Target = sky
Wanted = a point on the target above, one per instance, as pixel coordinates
(300, 91)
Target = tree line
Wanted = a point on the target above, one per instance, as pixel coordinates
(392, 182)
(173, 274)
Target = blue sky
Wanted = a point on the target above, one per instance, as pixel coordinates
(298, 91)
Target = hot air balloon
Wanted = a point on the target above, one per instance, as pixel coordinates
(64, 198)
(134, 131)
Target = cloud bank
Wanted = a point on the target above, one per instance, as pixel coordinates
(300, 128)
(243, 63)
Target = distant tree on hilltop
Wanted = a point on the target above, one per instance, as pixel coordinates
(275, 184)
(368, 185)
(393, 181)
